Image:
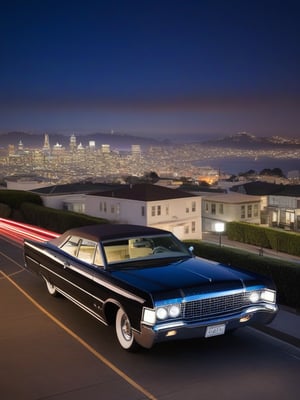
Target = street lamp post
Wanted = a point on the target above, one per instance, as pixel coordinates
(220, 227)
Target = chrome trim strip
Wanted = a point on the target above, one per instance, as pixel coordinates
(122, 292)
(71, 283)
(102, 282)
(82, 306)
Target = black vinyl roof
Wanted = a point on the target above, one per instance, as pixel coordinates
(102, 232)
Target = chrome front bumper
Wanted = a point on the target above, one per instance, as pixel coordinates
(178, 330)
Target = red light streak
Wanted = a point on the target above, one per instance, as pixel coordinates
(18, 231)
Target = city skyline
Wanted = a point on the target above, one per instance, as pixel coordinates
(158, 68)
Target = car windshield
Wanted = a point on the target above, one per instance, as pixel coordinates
(144, 247)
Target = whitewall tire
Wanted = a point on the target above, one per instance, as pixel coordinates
(124, 332)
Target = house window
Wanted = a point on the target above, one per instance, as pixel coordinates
(193, 226)
(112, 208)
(104, 207)
(255, 210)
(249, 211)
(101, 206)
(193, 206)
(206, 206)
(153, 211)
(167, 209)
(213, 208)
(158, 210)
(221, 208)
(186, 229)
(187, 209)
(143, 211)
(243, 212)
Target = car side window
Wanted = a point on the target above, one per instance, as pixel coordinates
(86, 251)
(98, 258)
(71, 245)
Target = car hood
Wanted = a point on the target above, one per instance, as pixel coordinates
(185, 278)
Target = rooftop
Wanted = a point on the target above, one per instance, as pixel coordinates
(144, 192)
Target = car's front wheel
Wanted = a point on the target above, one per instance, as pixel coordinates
(51, 288)
(124, 332)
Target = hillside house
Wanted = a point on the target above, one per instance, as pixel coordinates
(229, 207)
(150, 205)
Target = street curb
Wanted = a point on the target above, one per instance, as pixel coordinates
(279, 335)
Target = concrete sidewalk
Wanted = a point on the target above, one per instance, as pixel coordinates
(214, 238)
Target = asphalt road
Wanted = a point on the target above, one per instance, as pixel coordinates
(50, 349)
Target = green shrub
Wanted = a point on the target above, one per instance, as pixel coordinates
(56, 220)
(5, 210)
(269, 238)
(14, 198)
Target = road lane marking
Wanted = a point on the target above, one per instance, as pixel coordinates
(12, 261)
(99, 356)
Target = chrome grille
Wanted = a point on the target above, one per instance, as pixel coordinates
(207, 307)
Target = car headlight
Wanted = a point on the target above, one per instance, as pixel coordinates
(162, 313)
(268, 295)
(174, 311)
(149, 316)
(263, 295)
(254, 297)
(170, 311)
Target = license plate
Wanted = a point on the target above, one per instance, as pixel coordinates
(215, 330)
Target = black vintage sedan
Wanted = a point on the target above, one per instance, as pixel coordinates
(148, 284)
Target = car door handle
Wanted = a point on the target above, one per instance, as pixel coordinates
(66, 264)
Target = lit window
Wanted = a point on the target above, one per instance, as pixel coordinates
(193, 226)
(243, 212)
(249, 211)
(193, 206)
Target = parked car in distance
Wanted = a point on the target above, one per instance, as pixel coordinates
(148, 284)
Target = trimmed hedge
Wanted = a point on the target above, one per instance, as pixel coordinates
(56, 220)
(5, 211)
(286, 275)
(269, 238)
(15, 198)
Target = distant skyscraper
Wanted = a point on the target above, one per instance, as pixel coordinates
(73, 144)
(20, 146)
(105, 148)
(46, 147)
(92, 145)
(136, 149)
(11, 149)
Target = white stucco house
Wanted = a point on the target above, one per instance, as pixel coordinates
(149, 205)
(228, 207)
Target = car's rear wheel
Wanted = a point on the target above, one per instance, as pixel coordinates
(51, 288)
(124, 332)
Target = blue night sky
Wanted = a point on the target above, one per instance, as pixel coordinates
(151, 67)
